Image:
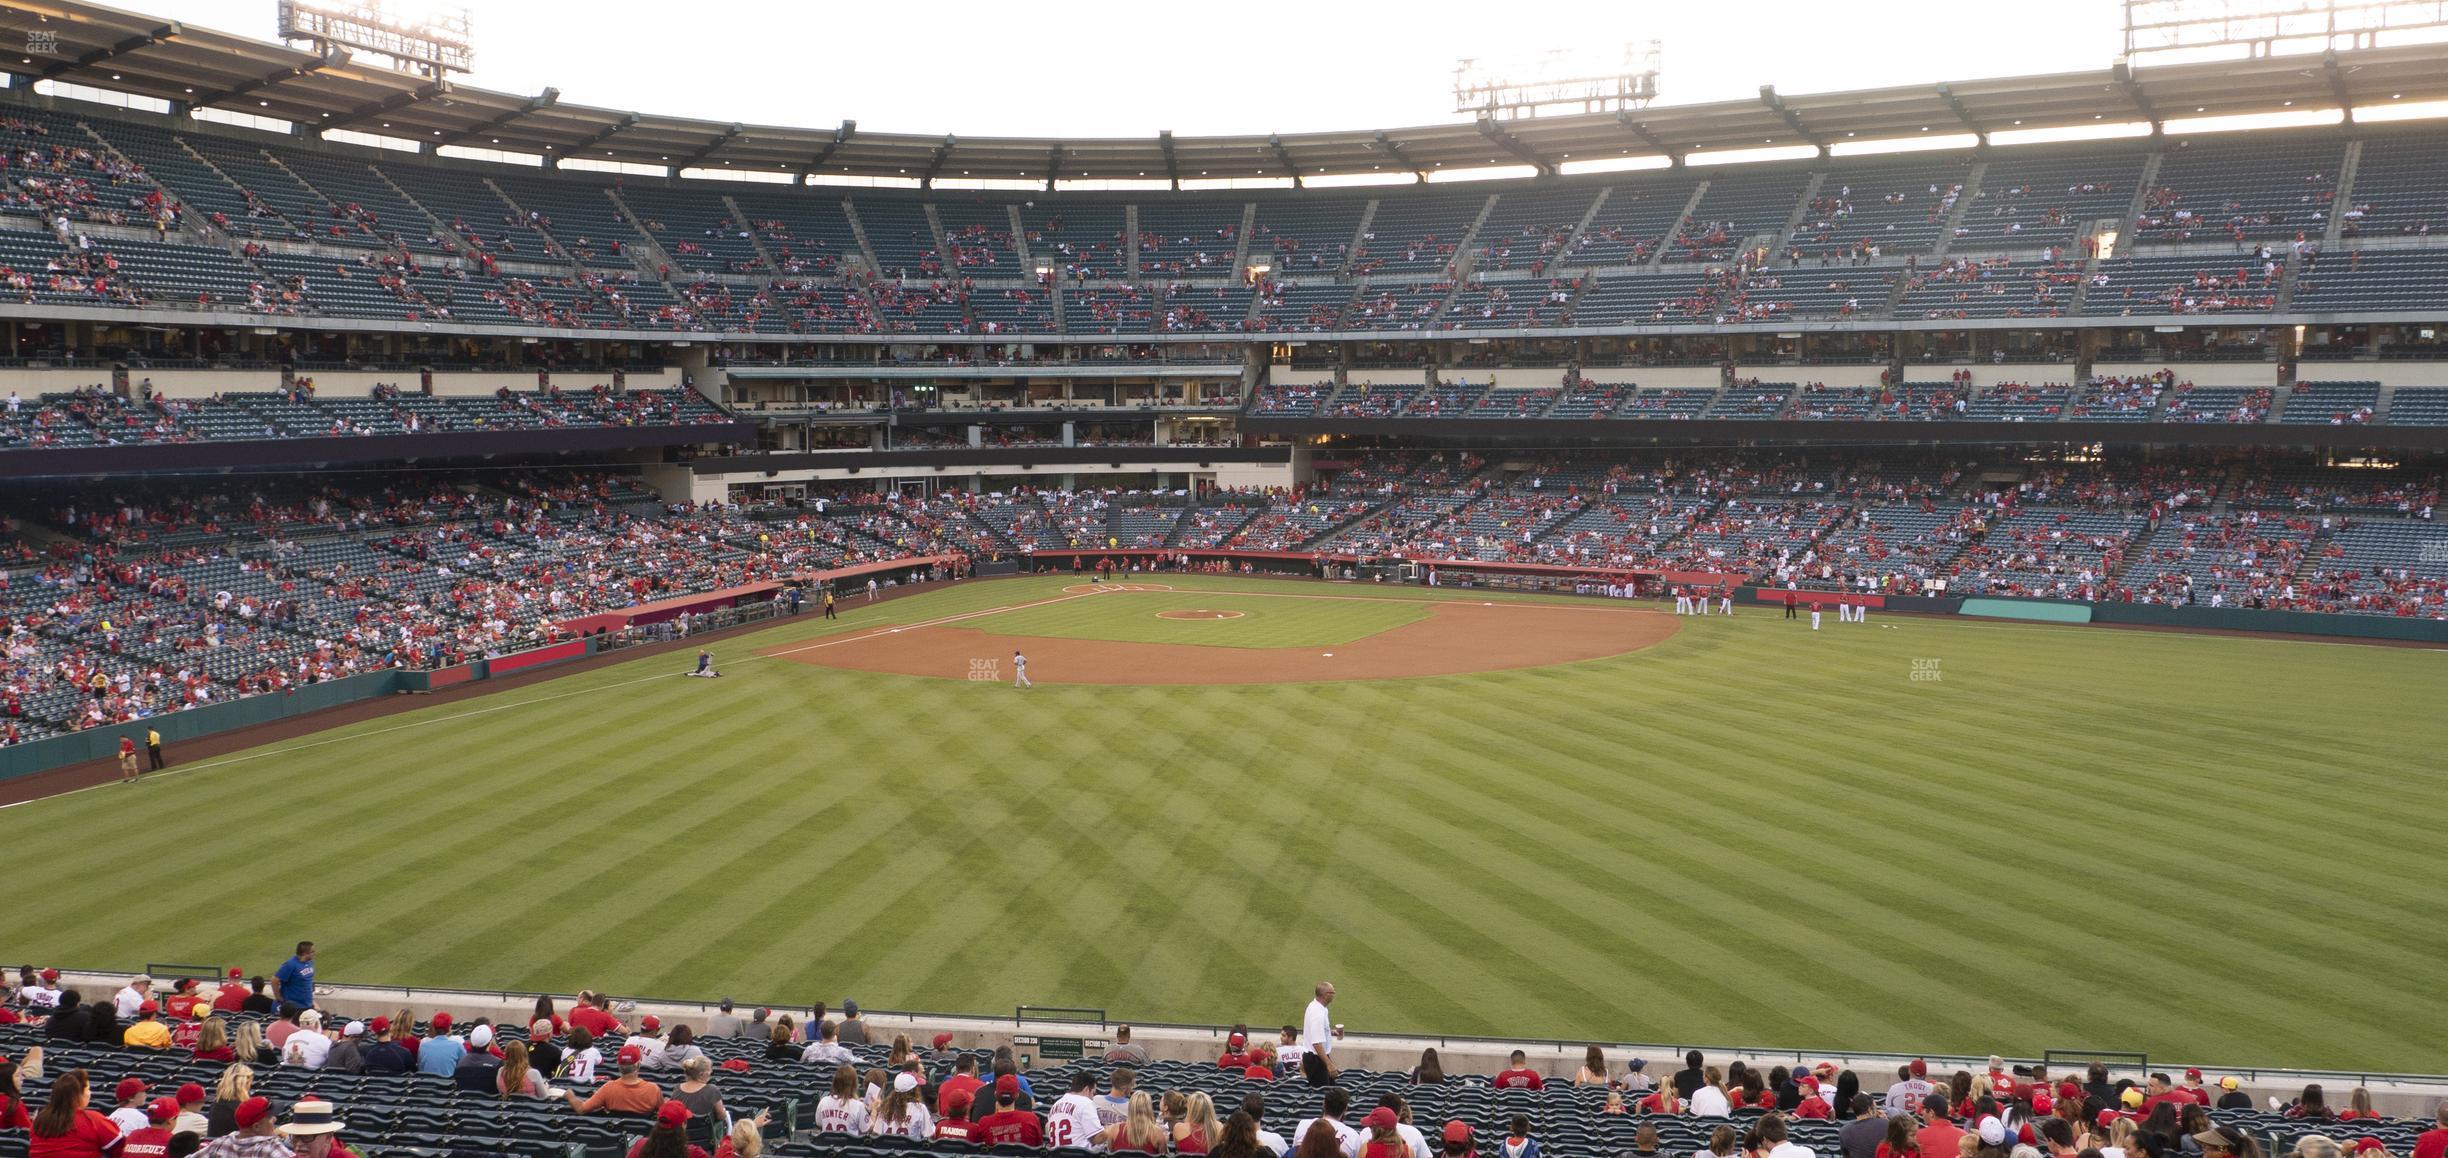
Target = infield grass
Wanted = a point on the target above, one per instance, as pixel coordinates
(1914, 835)
(1282, 619)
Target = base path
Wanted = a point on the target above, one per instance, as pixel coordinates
(1456, 638)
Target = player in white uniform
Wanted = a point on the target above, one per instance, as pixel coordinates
(1020, 671)
(1725, 600)
(1682, 601)
(1072, 1119)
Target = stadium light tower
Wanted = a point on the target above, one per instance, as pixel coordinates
(422, 38)
(1563, 79)
(2175, 31)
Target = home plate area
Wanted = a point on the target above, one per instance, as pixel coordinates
(1446, 638)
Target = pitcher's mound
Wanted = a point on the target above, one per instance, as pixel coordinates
(1201, 613)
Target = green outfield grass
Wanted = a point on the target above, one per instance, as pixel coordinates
(1915, 834)
(1265, 621)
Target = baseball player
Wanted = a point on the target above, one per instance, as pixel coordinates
(1725, 599)
(1682, 600)
(1699, 600)
(1814, 615)
(1020, 671)
(705, 665)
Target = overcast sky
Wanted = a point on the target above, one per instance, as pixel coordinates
(1121, 68)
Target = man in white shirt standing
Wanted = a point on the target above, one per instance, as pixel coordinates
(1318, 1034)
(1072, 1120)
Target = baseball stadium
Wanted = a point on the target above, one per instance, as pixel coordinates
(1898, 620)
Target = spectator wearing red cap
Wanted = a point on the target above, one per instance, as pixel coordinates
(962, 1084)
(953, 1124)
(843, 1108)
(66, 1127)
(942, 1051)
(183, 1001)
(147, 1032)
(1517, 1075)
(384, 1051)
(1911, 1085)
(1457, 1141)
(669, 1137)
(1009, 1125)
(128, 1105)
(1236, 1050)
(255, 1133)
(191, 1118)
(153, 1139)
(626, 1094)
(439, 1053)
(1380, 1138)
(231, 996)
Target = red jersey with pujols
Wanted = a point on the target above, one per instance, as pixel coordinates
(1010, 1127)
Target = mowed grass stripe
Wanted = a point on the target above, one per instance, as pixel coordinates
(2205, 847)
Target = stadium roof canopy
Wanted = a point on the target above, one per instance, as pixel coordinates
(108, 48)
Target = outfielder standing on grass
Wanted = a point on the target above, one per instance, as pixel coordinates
(1020, 672)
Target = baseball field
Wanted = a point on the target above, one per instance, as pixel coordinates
(1475, 813)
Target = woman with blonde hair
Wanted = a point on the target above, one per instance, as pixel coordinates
(1139, 1132)
(213, 1041)
(2358, 1105)
(902, 1051)
(516, 1078)
(1196, 1130)
(247, 1044)
(746, 1139)
(237, 1084)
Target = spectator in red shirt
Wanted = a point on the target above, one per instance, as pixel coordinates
(1383, 1140)
(963, 1084)
(1008, 1125)
(589, 1014)
(1519, 1075)
(1236, 1051)
(2433, 1143)
(232, 995)
(1900, 1141)
(953, 1124)
(1939, 1137)
(153, 1141)
(66, 1128)
(12, 1100)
